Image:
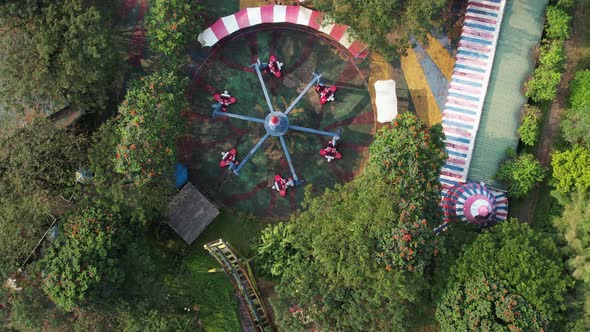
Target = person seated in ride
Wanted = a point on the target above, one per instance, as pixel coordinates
(278, 185)
(225, 98)
(274, 65)
(227, 156)
(330, 149)
(321, 88)
(325, 91)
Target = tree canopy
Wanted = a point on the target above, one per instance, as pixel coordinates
(521, 173)
(528, 262)
(484, 304)
(84, 262)
(148, 126)
(574, 225)
(37, 165)
(385, 25)
(576, 122)
(57, 53)
(354, 258)
(571, 169)
(171, 24)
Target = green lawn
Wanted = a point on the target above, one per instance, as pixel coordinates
(168, 275)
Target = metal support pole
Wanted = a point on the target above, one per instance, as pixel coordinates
(237, 116)
(251, 153)
(288, 159)
(257, 68)
(316, 78)
(314, 131)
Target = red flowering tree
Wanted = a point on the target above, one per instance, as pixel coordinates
(354, 258)
(171, 24)
(149, 122)
(409, 155)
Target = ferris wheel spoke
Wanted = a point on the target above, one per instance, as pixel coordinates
(238, 116)
(288, 156)
(257, 68)
(315, 131)
(315, 79)
(251, 153)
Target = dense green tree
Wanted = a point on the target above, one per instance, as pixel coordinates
(145, 204)
(354, 258)
(485, 304)
(385, 25)
(410, 156)
(574, 225)
(171, 24)
(333, 272)
(528, 262)
(22, 223)
(41, 158)
(84, 264)
(37, 165)
(576, 121)
(530, 126)
(571, 169)
(521, 173)
(57, 53)
(148, 127)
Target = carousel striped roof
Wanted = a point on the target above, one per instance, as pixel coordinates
(458, 202)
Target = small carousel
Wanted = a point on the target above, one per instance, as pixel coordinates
(473, 203)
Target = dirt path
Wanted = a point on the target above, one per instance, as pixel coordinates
(550, 134)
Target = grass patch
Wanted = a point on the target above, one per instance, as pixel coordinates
(546, 209)
(167, 275)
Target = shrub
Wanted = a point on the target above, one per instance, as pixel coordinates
(558, 23)
(580, 90)
(521, 173)
(543, 84)
(576, 121)
(565, 4)
(571, 169)
(530, 126)
(552, 55)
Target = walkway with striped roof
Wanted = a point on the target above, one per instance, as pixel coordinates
(468, 86)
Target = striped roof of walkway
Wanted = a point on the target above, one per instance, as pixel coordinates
(468, 86)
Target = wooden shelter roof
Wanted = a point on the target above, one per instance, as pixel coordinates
(190, 213)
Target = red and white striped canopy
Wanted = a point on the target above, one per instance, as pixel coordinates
(248, 17)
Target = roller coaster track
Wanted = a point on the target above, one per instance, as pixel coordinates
(246, 287)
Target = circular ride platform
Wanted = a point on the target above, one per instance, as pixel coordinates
(228, 68)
